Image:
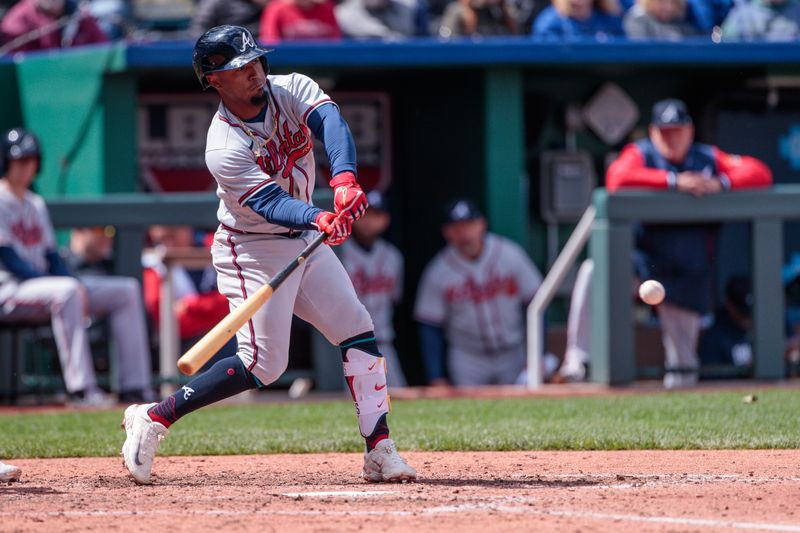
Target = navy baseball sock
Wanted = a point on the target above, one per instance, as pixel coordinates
(366, 342)
(228, 377)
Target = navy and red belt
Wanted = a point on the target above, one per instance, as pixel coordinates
(291, 234)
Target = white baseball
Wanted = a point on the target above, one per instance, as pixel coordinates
(651, 292)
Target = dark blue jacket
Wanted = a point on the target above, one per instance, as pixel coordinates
(680, 256)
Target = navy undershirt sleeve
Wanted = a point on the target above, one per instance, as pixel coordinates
(56, 265)
(329, 127)
(277, 207)
(18, 267)
(432, 343)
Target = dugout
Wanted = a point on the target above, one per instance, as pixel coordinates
(464, 118)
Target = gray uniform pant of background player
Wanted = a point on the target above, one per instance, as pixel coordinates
(470, 368)
(118, 299)
(680, 329)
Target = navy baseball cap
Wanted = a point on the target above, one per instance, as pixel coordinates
(377, 200)
(462, 209)
(670, 112)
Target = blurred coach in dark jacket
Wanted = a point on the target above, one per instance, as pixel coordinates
(681, 256)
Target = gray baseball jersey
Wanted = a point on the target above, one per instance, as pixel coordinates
(377, 276)
(25, 226)
(479, 303)
(245, 158)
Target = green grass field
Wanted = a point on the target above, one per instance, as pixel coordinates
(658, 421)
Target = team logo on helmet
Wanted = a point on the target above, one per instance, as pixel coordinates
(247, 41)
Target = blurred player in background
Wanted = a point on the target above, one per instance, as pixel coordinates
(9, 473)
(727, 341)
(259, 150)
(470, 304)
(35, 283)
(680, 256)
(376, 268)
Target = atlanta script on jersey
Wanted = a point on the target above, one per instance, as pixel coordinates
(244, 158)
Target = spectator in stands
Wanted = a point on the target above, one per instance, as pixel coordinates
(659, 19)
(115, 17)
(680, 256)
(577, 19)
(702, 14)
(376, 268)
(381, 18)
(5, 5)
(727, 340)
(44, 24)
(211, 13)
(470, 304)
(35, 284)
(298, 20)
(198, 305)
(468, 18)
(770, 20)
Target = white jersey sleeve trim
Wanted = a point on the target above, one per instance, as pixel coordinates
(316, 105)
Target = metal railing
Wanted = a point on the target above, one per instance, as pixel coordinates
(544, 295)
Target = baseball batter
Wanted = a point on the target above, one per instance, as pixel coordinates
(35, 284)
(471, 298)
(376, 269)
(259, 150)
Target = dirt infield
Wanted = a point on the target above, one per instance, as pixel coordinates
(497, 491)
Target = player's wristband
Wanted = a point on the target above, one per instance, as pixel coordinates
(343, 178)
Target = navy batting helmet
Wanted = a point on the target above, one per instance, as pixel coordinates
(225, 48)
(18, 143)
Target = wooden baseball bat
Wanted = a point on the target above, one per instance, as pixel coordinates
(205, 348)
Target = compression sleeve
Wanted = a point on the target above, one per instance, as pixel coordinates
(277, 207)
(329, 127)
(56, 265)
(432, 344)
(20, 268)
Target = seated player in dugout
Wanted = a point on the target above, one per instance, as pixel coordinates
(376, 268)
(259, 150)
(679, 256)
(471, 303)
(36, 284)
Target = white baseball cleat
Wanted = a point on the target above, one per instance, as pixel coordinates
(141, 443)
(383, 463)
(9, 473)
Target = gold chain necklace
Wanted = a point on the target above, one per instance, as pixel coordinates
(253, 135)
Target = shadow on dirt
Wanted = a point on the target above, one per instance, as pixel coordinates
(513, 483)
(18, 489)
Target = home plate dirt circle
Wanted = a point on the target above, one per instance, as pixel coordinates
(461, 491)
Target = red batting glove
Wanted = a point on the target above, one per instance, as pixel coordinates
(348, 197)
(337, 227)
